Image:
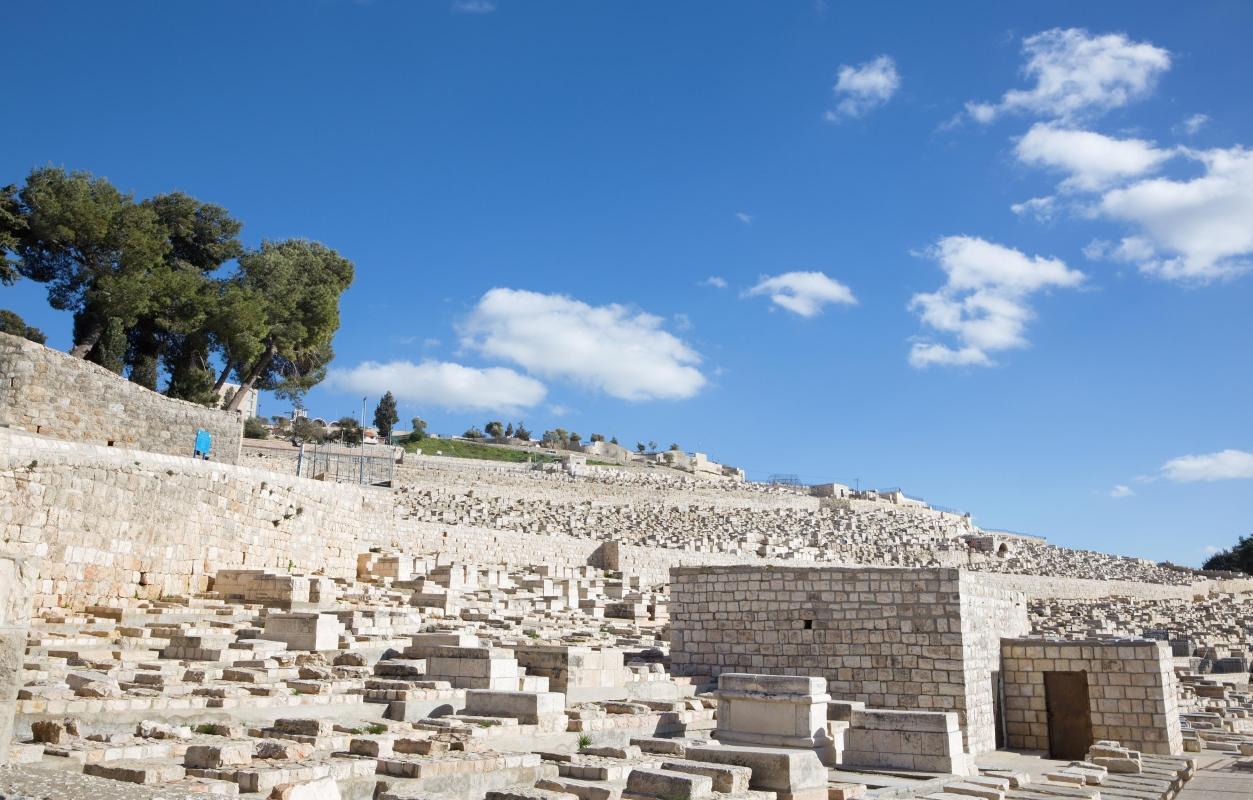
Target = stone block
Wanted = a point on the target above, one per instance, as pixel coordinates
(668, 785)
(791, 774)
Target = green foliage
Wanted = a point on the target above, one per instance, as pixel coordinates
(473, 433)
(298, 284)
(349, 431)
(255, 428)
(1239, 558)
(386, 416)
(522, 433)
(94, 246)
(457, 448)
(584, 741)
(375, 728)
(674, 446)
(418, 429)
(494, 429)
(109, 348)
(12, 225)
(558, 438)
(640, 447)
(598, 437)
(306, 430)
(11, 322)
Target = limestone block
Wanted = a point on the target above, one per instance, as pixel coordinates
(304, 630)
(666, 784)
(218, 755)
(791, 774)
(527, 708)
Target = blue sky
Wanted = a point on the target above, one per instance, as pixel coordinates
(993, 253)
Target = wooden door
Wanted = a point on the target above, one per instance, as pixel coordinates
(1069, 715)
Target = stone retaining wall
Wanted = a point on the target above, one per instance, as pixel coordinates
(17, 577)
(113, 524)
(48, 392)
(116, 524)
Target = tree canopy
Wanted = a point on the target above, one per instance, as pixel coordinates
(163, 286)
(1239, 558)
(12, 322)
(385, 415)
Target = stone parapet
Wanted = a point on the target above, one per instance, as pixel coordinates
(48, 392)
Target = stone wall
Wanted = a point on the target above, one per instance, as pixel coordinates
(988, 614)
(51, 393)
(889, 637)
(17, 577)
(1132, 693)
(113, 524)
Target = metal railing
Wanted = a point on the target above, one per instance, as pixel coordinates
(373, 466)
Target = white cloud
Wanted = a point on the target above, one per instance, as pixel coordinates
(443, 384)
(624, 353)
(1092, 160)
(746, 218)
(1079, 75)
(1220, 466)
(1194, 230)
(983, 304)
(1193, 124)
(863, 88)
(715, 281)
(473, 6)
(1044, 209)
(803, 293)
(1120, 491)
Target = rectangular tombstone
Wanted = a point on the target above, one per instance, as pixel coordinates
(304, 631)
(772, 710)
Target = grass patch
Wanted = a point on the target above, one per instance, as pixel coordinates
(456, 448)
(375, 728)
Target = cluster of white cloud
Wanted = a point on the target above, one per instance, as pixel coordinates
(442, 384)
(624, 353)
(1189, 230)
(863, 88)
(1193, 124)
(1223, 465)
(473, 6)
(803, 293)
(984, 303)
(1078, 75)
(1091, 160)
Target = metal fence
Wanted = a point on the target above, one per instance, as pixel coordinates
(373, 466)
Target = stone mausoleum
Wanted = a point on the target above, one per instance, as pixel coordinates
(919, 640)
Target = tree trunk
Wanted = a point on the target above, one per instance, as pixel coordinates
(91, 335)
(226, 372)
(246, 385)
(145, 355)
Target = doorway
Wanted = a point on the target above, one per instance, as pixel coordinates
(1069, 715)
